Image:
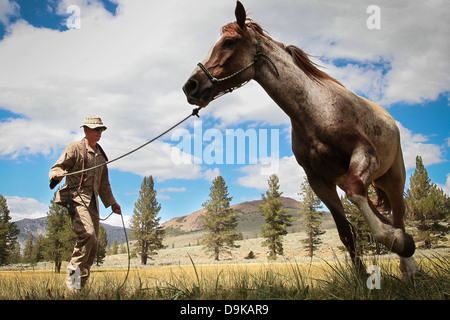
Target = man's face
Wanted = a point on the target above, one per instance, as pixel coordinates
(93, 135)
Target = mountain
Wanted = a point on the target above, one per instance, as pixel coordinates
(38, 227)
(27, 226)
(248, 217)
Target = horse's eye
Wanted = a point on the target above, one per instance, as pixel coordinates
(228, 44)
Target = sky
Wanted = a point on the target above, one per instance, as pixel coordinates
(127, 60)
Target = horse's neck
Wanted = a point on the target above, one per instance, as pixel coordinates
(294, 92)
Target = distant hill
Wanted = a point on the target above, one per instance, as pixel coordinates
(249, 219)
(38, 227)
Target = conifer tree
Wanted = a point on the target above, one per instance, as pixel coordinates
(428, 207)
(16, 256)
(277, 219)
(28, 250)
(114, 248)
(8, 232)
(311, 217)
(102, 244)
(60, 238)
(123, 247)
(145, 226)
(37, 253)
(220, 221)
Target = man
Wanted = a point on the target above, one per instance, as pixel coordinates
(80, 194)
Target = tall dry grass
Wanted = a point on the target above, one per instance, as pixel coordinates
(282, 280)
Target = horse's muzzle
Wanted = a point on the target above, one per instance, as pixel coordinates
(199, 93)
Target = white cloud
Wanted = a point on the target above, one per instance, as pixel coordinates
(446, 186)
(173, 189)
(289, 172)
(362, 80)
(169, 189)
(415, 145)
(154, 160)
(25, 208)
(130, 68)
(211, 174)
(27, 137)
(8, 9)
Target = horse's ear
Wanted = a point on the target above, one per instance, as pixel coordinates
(240, 14)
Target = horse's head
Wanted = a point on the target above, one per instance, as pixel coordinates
(227, 65)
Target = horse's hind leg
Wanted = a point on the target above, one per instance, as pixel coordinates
(362, 165)
(392, 184)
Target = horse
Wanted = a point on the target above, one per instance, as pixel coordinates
(339, 138)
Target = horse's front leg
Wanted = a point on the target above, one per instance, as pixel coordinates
(328, 195)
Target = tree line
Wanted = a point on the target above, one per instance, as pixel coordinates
(428, 217)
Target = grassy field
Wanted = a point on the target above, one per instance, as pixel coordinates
(287, 280)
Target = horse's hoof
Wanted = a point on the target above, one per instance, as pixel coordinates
(404, 244)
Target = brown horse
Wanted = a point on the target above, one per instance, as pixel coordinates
(339, 138)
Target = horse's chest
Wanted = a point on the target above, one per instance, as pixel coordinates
(318, 156)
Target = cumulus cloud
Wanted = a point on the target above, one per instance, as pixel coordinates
(8, 9)
(154, 159)
(27, 137)
(446, 186)
(25, 208)
(211, 174)
(414, 145)
(173, 189)
(289, 172)
(129, 69)
(168, 190)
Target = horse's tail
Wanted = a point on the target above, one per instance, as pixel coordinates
(382, 201)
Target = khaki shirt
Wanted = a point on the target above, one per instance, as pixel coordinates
(95, 182)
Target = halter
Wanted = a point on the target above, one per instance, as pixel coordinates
(258, 54)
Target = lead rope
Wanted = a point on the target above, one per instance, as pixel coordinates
(194, 113)
(128, 246)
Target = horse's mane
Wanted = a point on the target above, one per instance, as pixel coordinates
(301, 58)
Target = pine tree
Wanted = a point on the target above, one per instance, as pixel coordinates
(27, 251)
(60, 238)
(145, 226)
(311, 217)
(102, 244)
(37, 252)
(277, 219)
(123, 247)
(16, 256)
(8, 233)
(220, 221)
(114, 248)
(428, 207)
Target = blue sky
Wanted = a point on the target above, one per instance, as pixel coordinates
(128, 60)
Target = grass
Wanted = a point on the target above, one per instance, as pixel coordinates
(288, 280)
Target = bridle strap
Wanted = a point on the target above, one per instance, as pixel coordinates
(258, 54)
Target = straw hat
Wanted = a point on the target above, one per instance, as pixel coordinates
(93, 122)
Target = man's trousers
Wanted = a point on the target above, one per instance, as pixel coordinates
(85, 224)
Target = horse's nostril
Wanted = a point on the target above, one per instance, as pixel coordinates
(190, 87)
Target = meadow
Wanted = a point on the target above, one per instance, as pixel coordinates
(282, 280)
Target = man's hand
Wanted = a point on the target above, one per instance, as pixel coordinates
(59, 175)
(116, 208)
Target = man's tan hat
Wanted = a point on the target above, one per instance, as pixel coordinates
(93, 122)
